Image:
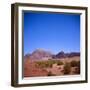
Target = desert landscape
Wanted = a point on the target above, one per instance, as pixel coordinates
(44, 63)
(51, 44)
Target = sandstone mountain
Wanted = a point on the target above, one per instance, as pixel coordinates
(39, 54)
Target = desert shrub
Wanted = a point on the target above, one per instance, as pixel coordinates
(52, 61)
(59, 63)
(49, 63)
(75, 63)
(41, 64)
(67, 68)
(50, 74)
(78, 64)
(77, 70)
(44, 64)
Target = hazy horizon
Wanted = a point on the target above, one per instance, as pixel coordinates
(51, 32)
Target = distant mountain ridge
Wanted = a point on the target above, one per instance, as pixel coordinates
(40, 54)
(65, 55)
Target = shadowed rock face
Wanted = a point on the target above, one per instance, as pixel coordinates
(65, 55)
(40, 54)
(60, 55)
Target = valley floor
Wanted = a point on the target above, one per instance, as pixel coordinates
(52, 67)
